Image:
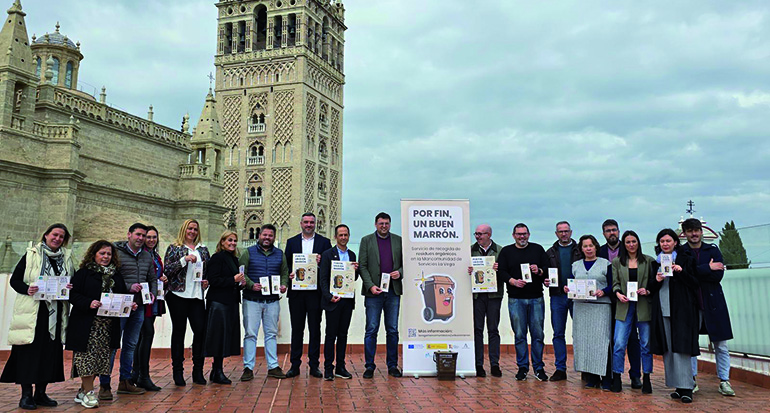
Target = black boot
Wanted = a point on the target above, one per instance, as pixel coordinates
(218, 376)
(27, 402)
(179, 377)
(617, 386)
(42, 399)
(646, 385)
(197, 375)
(145, 383)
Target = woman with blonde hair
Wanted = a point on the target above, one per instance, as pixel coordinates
(92, 337)
(185, 266)
(223, 338)
(38, 325)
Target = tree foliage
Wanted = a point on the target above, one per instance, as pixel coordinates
(731, 245)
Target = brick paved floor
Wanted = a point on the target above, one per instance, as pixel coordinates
(384, 393)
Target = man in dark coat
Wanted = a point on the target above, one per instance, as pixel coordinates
(305, 305)
(711, 300)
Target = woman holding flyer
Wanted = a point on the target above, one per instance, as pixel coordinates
(92, 337)
(675, 315)
(592, 317)
(39, 323)
(158, 308)
(223, 338)
(631, 271)
(185, 267)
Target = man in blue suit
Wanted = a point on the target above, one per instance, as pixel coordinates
(305, 305)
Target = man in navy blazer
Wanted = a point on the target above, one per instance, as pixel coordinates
(305, 305)
(339, 311)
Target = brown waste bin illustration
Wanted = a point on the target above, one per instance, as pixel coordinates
(300, 274)
(338, 280)
(479, 277)
(438, 295)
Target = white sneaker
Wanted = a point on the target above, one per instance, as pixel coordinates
(79, 397)
(90, 400)
(696, 388)
(726, 389)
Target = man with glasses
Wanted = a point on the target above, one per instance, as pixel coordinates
(609, 251)
(561, 255)
(486, 305)
(525, 298)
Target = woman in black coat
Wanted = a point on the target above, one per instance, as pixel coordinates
(223, 338)
(93, 337)
(674, 329)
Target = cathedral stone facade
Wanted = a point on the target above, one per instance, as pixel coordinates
(66, 156)
(279, 84)
(265, 150)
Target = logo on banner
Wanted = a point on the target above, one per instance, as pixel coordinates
(438, 297)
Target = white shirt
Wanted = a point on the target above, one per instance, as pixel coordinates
(307, 244)
(192, 289)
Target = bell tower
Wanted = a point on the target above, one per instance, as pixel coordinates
(279, 88)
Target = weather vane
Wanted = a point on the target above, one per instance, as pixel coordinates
(211, 79)
(690, 206)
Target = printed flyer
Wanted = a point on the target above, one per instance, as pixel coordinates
(553, 277)
(581, 289)
(483, 276)
(52, 288)
(667, 265)
(115, 305)
(343, 279)
(305, 272)
(437, 302)
(632, 287)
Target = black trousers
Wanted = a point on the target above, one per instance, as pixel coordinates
(181, 311)
(144, 347)
(489, 308)
(306, 305)
(337, 325)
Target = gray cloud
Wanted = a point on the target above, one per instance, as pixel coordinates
(534, 111)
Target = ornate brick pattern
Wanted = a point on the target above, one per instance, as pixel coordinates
(280, 202)
(260, 74)
(230, 193)
(334, 197)
(284, 117)
(335, 136)
(231, 115)
(309, 185)
(258, 99)
(312, 120)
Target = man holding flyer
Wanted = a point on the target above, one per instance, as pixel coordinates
(339, 311)
(381, 259)
(487, 305)
(518, 263)
(136, 267)
(305, 304)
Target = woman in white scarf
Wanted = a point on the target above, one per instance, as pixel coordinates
(39, 324)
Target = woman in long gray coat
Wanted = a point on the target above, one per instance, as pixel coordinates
(591, 318)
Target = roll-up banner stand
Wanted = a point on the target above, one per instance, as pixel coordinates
(437, 305)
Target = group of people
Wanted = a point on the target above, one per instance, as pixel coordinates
(663, 313)
(206, 290)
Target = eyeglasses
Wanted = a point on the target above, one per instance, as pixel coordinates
(478, 234)
(564, 231)
(611, 230)
(520, 234)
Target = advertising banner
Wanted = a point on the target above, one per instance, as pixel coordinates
(437, 305)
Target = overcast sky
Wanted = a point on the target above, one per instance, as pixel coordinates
(535, 111)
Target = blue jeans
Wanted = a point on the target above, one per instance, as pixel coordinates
(528, 314)
(723, 360)
(622, 332)
(388, 303)
(560, 305)
(130, 328)
(254, 313)
(634, 355)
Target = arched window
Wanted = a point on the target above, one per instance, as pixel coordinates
(259, 191)
(39, 67)
(251, 233)
(55, 69)
(68, 76)
(261, 150)
(252, 192)
(254, 151)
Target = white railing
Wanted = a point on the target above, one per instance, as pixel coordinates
(255, 160)
(248, 243)
(254, 201)
(257, 128)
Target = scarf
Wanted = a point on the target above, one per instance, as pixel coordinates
(106, 273)
(53, 266)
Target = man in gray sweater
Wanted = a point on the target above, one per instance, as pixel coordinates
(136, 267)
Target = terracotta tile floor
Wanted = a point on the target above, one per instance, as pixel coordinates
(384, 393)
